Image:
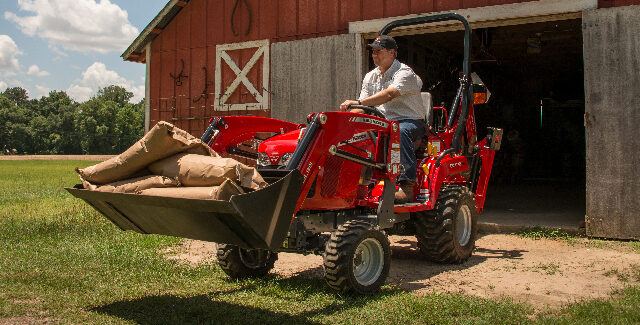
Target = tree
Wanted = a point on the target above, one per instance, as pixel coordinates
(13, 125)
(116, 94)
(55, 124)
(18, 96)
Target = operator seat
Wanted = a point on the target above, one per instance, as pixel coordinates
(428, 107)
(428, 116)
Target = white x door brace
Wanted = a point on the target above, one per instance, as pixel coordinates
(261, 95)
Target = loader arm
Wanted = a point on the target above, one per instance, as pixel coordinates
(324, 133)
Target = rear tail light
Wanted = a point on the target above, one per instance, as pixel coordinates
(479, 98)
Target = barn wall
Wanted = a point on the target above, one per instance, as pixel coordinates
(191, 37)
(312, 75)
(612, 81)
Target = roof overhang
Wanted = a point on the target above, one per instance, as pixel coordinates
(479, 17)
(136, 51)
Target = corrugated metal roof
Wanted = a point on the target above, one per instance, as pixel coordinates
(136, 49)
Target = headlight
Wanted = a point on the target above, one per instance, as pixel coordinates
(263, 159)
(284, 160)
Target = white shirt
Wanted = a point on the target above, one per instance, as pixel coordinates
(401, 77)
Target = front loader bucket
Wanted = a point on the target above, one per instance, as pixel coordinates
(256, 220)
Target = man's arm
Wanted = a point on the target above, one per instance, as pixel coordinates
(376, 99)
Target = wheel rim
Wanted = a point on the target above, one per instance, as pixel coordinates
(254, 258)
(463, 225)
(368, 261)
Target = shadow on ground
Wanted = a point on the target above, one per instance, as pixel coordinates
(201, 309)
(411, 271)
(215, 308)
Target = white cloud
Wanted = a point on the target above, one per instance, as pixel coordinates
(3, 85)
(78, 25)
(8, 52)
(34, 70)
(79, 93)
(98, 76)
(41, 91)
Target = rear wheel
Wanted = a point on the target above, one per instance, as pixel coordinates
(242, 263)
(448, 233)
(357, 258)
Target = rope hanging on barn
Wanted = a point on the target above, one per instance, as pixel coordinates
(235, 6)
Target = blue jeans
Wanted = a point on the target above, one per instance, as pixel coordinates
(410, 130)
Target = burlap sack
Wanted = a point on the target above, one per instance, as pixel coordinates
(221, 193)
(133, 185)
(249, 177)
(198, 170)
(162, 141)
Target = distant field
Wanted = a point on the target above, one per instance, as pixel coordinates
(56, 157)
(60, 262)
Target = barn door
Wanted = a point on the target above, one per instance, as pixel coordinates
(242, 77)
(314, 75)
(612, 92)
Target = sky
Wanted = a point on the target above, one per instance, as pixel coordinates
(72, 45)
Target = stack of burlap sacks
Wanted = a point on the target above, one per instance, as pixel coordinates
(170, 162)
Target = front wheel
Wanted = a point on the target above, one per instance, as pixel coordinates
(239, 263)
(448, 233)
(357, 258)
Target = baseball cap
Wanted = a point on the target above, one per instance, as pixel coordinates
(383, 42)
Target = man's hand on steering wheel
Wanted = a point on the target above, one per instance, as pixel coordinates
(356, 107)
(347, 103)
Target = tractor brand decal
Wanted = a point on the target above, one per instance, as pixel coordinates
(369, 121)
(395, 156)
(454, 165)
(356, 138)
(308, 170)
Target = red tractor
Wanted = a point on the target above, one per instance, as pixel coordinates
(331, 191)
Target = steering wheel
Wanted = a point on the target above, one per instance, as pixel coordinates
(369, 110)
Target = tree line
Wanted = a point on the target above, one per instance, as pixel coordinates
(56, 124)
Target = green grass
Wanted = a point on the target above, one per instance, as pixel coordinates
(61, 261)
(539, 233)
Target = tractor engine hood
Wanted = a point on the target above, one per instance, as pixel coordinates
(277, 150)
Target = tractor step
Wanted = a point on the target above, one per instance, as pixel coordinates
(256, 220)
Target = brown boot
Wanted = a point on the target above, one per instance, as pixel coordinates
(404, 194)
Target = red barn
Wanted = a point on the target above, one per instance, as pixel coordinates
(563, 74)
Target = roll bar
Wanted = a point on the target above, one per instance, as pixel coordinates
(465, 86)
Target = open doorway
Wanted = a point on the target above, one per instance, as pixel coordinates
(535, 74)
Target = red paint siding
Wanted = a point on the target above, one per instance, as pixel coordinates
(328, 16)
(308, 21)
(617, 3)
(198, 22)
(475, 3)
(202, 24)
(396, 8)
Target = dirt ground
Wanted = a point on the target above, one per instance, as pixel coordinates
(542, 273)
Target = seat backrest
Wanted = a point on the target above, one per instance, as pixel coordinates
(428, 107)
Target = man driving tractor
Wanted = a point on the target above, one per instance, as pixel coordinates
(395, 89)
